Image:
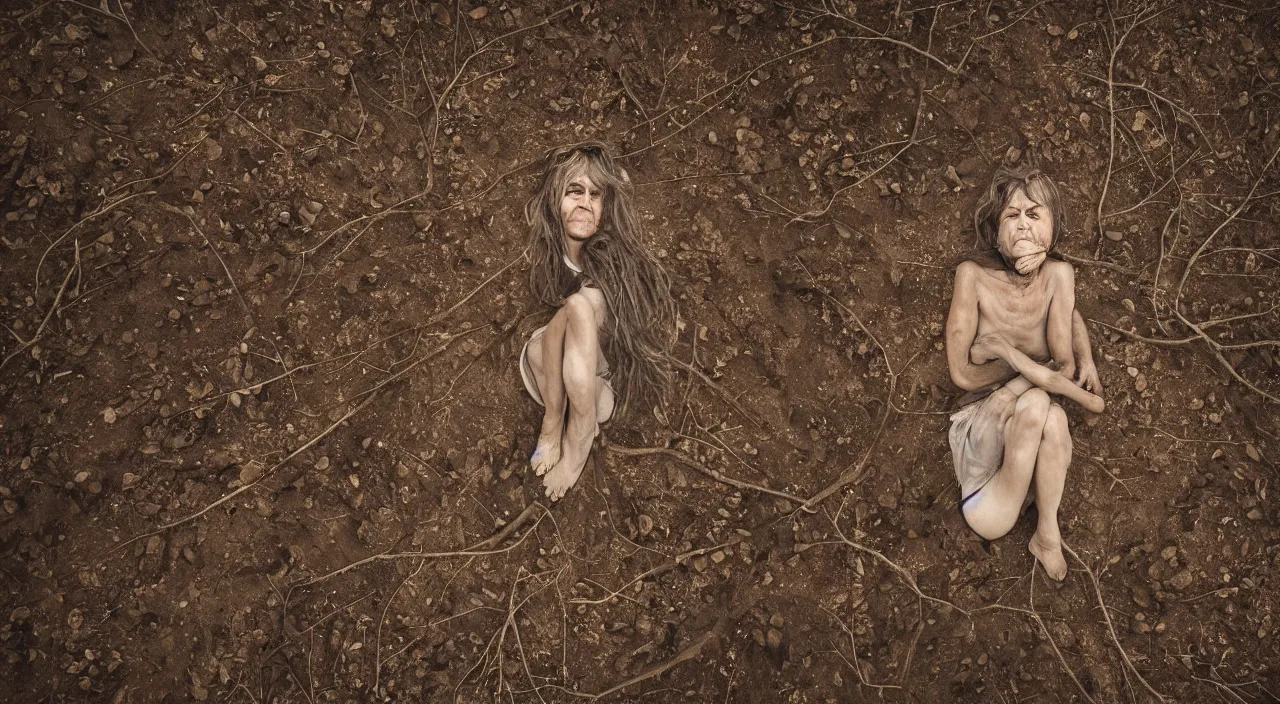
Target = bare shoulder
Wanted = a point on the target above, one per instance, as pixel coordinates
(967, 272)
(1060, 271)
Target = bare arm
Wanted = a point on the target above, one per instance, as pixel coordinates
(962, 327)
(1040, 375)
(1058, 327)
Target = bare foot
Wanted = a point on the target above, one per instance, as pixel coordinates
(566, 472)
(1049, 553)
(547, 453)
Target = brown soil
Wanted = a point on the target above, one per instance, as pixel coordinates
(269, 261)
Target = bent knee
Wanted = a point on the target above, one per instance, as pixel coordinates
(1033, 405)
(583, 305)
(1055, 426)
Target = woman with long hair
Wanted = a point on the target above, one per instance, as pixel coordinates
(606, 346)
(1012, 314)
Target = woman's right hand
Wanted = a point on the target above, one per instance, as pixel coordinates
(988, 347)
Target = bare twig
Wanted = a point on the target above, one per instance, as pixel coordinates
(696, 465)
(1234, 214)
(660, 569)
(1097, 590)
(102, 210)
(245, 487)
(720, 390)
(24, 345)
(477, 550)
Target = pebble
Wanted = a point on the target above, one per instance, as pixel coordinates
(1114, 235)
(174, 314)
(777, 620)
(1181, 580)
(712, 138)
(1054, 30)
(774, 638)
(322, 464)
(109, 415)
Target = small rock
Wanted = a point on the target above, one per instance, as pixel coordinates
(1252, 452)
(322, 464)
(1055, 31)
(174, 314)
(777, 620)
(1142, 597)
(10, 506)
(1169, 553)
(128, 480)
(1140, 120)
(250, 473)
(1140, 383)
(234, 398)
(1181, 580)
(1073, 34)
(712, 138)
(479, 13)
(717, 556)
(645, 523)
(109, 415)
(700, 563)
(122, 56)
(259, 64)
(774, 639)
(1114, 235)
(283, 217)
(756, 634)
(197, 53)
(1255, 514)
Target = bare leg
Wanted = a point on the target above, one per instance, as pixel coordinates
(1050, 478)
(993, 512)
(546, 359)
(581, 351)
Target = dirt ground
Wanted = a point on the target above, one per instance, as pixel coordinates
(263, 437)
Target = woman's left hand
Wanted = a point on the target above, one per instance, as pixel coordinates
(1087, 378)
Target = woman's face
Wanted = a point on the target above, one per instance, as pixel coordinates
(580, 208)
(1026, 227)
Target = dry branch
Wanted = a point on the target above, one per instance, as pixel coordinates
(1097, 590)
(477, 550)
(696, 465)
(102, 210)
(24, 345)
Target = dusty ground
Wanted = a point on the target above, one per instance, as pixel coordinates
(263, 437)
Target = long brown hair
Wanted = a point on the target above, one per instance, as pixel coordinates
(1007, 181)
(615, 260)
